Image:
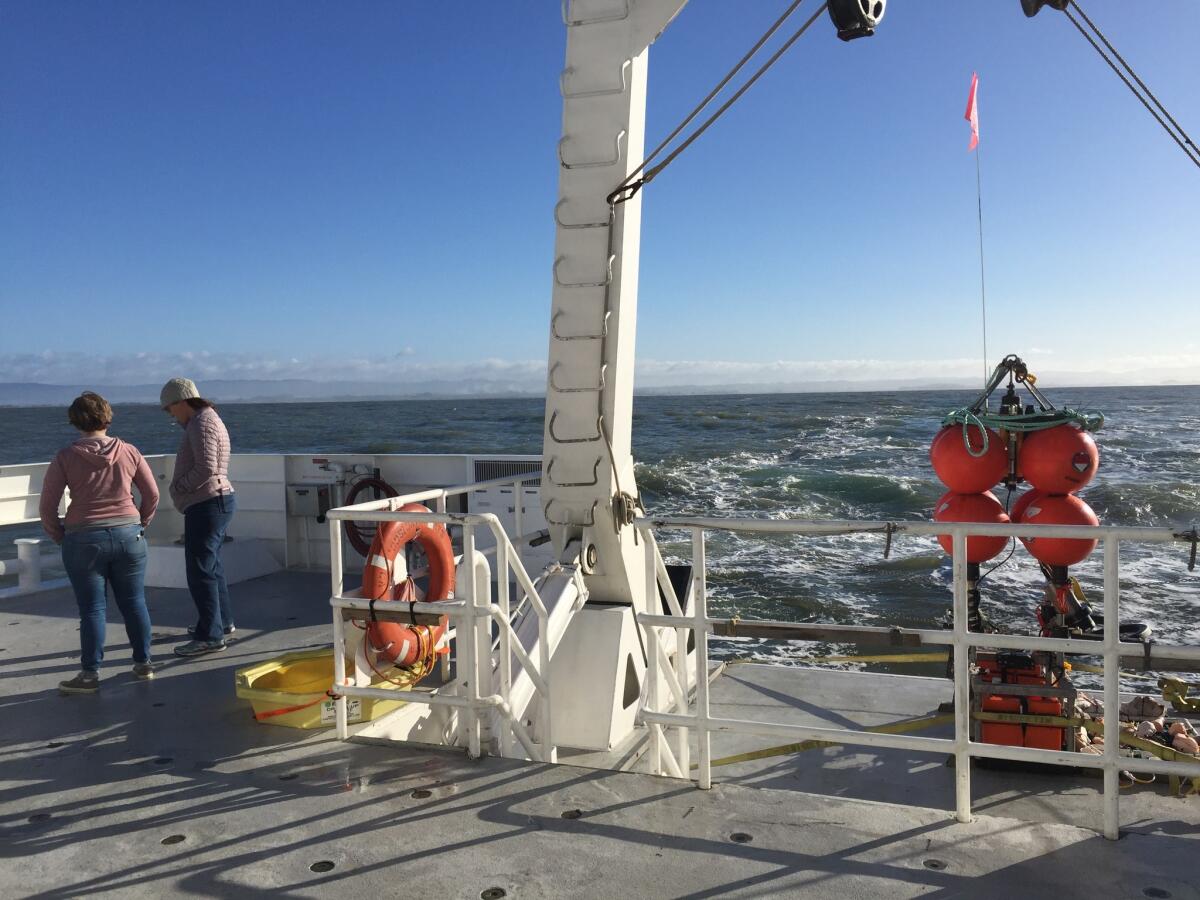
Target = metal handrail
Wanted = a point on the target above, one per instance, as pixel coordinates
(604, 282)
(392, 503)
(621, 86)
(559, 336)
(571, 22)
(961, 640)
(852, 526)
(591, 163)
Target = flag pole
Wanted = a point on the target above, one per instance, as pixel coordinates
(972, 116)
(982, 283)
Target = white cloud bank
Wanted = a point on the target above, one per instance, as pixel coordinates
(405, 373)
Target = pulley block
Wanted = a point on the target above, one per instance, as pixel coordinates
(856, 18)
(1033, 7)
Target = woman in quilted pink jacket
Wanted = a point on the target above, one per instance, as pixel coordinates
(200, 489)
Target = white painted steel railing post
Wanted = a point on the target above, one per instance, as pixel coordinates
(337, 585)
(1112, 687)
(683, 740)
(962, 675)
(439, 506)
(468, 643)
(505, 647)
(549, 751)
(651, 647)
(518, 520)
(29, 564)
(700, 617)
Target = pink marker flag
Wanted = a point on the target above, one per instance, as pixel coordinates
(972, 114)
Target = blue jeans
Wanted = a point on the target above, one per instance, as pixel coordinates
(204, 526)
(95, 558)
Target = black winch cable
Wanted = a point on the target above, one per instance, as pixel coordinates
(1177, 134)
(632, 184)
(1128, 68)
(716, 90)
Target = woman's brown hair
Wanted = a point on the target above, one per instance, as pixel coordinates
(90, 412)
(199, 403)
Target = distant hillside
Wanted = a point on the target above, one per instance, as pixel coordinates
(297, 390)
(292, 390)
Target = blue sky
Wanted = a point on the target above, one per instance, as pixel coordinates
(259, 190)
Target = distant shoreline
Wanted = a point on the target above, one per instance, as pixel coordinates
(53, 395)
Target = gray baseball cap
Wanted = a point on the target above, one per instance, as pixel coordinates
(177, 389)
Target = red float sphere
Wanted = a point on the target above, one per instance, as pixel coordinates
(1059, 509)
(977, 507)
(1022, 504)
(958, 469)
(1058, 460)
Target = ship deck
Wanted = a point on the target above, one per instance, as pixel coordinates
(170, 788)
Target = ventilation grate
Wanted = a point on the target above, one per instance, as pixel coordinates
(488, 469)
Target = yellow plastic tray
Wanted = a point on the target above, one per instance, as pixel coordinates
(300, 679)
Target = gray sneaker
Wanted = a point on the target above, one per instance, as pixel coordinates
(83, 683)
(228, 629)
(199, 648)
(143, 671)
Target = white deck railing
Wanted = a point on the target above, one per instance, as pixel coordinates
(959, 638)
(471, 611)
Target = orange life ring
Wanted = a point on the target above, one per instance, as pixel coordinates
(398, 644)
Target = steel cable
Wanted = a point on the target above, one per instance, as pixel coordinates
(1128, 68)
(630, 187)
(711, 94)
(1184, 142)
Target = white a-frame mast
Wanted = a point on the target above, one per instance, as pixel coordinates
(588, 480)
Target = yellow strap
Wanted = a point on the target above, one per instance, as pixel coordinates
(787, 749)
(1027, 719)
(885, 658)
(1175, 692)
(1077, 590)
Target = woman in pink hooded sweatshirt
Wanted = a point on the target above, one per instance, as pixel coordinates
(103, 535)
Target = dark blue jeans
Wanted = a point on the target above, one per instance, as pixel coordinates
(204, 526)
(95, 558)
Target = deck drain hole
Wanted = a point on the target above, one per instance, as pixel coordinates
(163, 760)
(54, 744)
(573, 814)
(160, 703)
(421, 794)
(936, 864)
(322, 866)
(39, 817)
(493, 893)
(291, 618)
(173, 839)
(288, 776)
(1161, 893)
(740, 837)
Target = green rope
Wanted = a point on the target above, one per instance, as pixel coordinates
(1088, 421)
(1021, 422)
(970, 417)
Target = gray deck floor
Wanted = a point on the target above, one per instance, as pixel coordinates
(834, 699)
(170, 788)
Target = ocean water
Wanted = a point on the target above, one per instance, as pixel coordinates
(811, 456)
